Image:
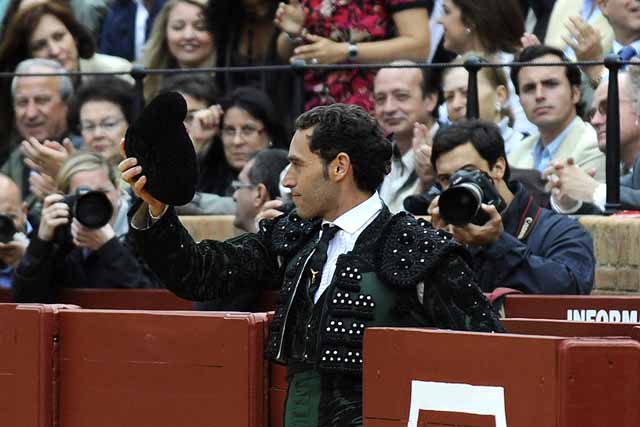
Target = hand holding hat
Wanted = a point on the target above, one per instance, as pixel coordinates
(158, 146)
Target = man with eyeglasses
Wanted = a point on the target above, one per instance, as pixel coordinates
(13, 229)
(572, 187)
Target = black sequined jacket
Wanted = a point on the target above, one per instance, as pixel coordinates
(401, 272)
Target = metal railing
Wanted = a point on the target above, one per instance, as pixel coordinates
(473, 65)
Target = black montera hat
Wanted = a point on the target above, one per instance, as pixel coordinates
(160, 142)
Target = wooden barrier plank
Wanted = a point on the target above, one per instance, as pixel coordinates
(535, 377)
(564, 328)
(28, 343)
(161, 369)
(589, 308)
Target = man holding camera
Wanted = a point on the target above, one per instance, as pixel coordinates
(514, 243)
(13, 229)
(81, 239)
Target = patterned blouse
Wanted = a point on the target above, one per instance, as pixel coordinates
(353, 21)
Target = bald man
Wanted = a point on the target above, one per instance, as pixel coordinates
(12, 244)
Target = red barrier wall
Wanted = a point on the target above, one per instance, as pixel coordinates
(125, 368)
(547, 381)
(590, 308)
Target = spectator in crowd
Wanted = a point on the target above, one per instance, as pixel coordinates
(569, 15)
(542, 10)
(179, 39)
(323, 32)
(101, 111)
(203, 113)
(90, 12)
(573, 186)
(245, 34)
(493, 98)
(406, 102)
(40, 104)
(551, 97)
(127, 27)
(257, 184)
(91, 257)
(339, 156)
(14, 229)
(491, 28)
(49, 30)
(249, 124)
(552, 254)
(586, 41)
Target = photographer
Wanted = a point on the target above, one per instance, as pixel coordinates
(13, 229)
(514, 243)
(67, 254)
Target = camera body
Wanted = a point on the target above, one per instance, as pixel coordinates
(460, 204)
(7, 229)
(91, 208)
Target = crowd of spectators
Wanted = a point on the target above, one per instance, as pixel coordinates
(550, 121)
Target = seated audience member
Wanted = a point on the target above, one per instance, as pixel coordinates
(493, 98)
(406, 105)
(568, 16)
(551, 254)
(101, 111)
(551, 98)
(203, 114)
(257, 184)
(249, 124)
(49, 30)
(492, 28)
(14, 229)
(127, 27)
(573, 186)
(40, 104)
(67, 254)
(179, 39)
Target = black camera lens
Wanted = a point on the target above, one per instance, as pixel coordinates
(7, 229)
(93, 209)
(459, 205)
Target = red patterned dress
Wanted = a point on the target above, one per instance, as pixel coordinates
(353, 21)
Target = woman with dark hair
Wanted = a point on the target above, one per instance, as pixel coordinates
(49, 30)
(492, 28)
(101, 111)
(248, 124)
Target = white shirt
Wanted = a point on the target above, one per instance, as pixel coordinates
(352, 223)
(142, 14)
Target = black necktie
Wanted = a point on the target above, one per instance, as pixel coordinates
(319, 257)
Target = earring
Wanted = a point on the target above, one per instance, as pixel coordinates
(467, 30)
(270, 144)
(498, 106)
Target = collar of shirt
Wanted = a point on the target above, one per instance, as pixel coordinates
(589, 10)
(542, 155)
(352, 223)
(617, 46)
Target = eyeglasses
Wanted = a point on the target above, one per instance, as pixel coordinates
(239, 185)
(246, 131)
(108, 125)
(602, 108)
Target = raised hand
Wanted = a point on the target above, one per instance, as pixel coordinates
(290, 18)
(46, 157)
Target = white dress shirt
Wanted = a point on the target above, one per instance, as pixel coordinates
(142, 14)
(352, 223)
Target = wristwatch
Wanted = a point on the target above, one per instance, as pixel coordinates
(352, 52)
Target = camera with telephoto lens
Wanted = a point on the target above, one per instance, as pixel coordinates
(91, 208)
(461, 203)
(7, 229)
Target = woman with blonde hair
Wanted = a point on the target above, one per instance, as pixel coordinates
(180, 38)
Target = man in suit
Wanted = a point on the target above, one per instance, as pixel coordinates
(551, 99)
(573, 186)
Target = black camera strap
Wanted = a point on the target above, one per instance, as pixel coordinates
(528, 220)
